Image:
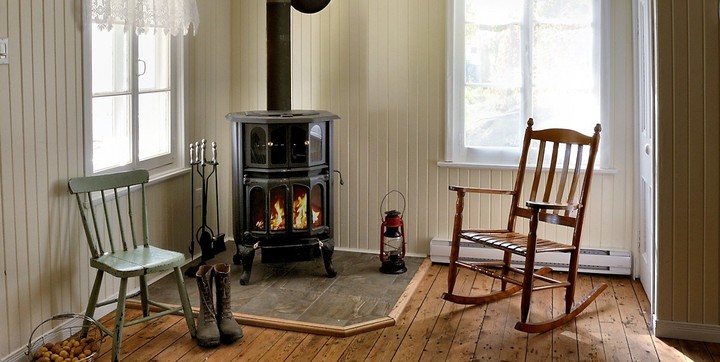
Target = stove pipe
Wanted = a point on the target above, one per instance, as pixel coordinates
(278, 48)
(278, 55)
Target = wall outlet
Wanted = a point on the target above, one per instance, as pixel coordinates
(4, 58)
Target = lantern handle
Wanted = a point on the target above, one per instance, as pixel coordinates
(383, 201)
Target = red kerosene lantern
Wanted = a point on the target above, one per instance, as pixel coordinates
(392, 240)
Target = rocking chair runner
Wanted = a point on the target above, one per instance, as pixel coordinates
(556, 203)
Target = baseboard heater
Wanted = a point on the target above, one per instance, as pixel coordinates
(598, 261)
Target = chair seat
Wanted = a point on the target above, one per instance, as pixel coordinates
(513, 242)
(138, 261)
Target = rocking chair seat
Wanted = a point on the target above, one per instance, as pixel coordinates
(513, 242)
(137, 262)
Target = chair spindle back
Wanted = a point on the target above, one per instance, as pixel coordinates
(111, 190)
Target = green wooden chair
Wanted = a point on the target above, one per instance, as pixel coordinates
(115, 249)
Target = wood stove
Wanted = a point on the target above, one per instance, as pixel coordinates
(282, 164)
(282, 177)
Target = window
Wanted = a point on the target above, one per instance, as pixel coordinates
(133, 111)
(515, 59)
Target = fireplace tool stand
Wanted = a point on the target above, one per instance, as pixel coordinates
(210, 243)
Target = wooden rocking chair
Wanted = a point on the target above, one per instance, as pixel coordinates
(555, 203)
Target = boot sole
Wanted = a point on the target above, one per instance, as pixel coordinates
(208, 344)
(229, 340)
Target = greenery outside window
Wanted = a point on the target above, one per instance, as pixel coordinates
(512, 60)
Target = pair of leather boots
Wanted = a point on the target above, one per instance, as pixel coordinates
(215, 320)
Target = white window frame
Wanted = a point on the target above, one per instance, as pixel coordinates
(456, 154)
(160, 166)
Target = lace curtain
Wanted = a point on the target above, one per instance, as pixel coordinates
(171, 16)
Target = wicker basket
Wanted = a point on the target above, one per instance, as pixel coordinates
(78, 339)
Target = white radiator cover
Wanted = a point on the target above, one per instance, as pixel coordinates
(598, 261)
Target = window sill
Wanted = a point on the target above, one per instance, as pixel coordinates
(480, 166)
(155, 178)
(159, 177)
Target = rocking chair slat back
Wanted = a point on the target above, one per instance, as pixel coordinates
(567, 166)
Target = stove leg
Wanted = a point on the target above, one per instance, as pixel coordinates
(326, 249)
(246, 254)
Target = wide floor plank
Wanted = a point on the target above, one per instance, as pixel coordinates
(614, 328)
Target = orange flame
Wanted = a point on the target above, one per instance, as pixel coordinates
(300, 212)
(277, 219)
(317, 220)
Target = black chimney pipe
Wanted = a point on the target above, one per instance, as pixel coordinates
(278, 55)
(278, 48)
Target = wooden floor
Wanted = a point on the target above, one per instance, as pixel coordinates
(614, 328)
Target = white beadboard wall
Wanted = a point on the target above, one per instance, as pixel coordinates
(43, 254)
(380, 65)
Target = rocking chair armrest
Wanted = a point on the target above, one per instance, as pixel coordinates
(480, 190)
(552, 206)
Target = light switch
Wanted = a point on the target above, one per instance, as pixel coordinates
(4, 51)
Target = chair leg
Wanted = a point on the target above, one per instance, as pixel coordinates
(507, 259)
(144, 296)
(527, 290)
(455, 245)
(529, 276)
(572, 277)
(119, 320)
(185, 301)
(92, 300)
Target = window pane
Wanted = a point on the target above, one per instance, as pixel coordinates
(565, 108)
(563, 11)
(563, 56)
(493, 12)
(154, 61)
(110, 60)
(153, 125)
(492, 116)
(111, 132)
(492, 55)
(559, 77)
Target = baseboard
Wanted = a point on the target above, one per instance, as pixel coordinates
(592, 260)
(688, 331)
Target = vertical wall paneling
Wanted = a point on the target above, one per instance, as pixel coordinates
(6, 212)
(50, 208)
(17, 248)
(695, 181)
(665, 285)
(681, 155)
(711, 166)
(39, 173)
(44, 258)
(688, 82)
(380, 66)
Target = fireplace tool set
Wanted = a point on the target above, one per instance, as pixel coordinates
(210, 242)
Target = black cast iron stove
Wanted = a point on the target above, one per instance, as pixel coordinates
(282, 176)
(282, 164)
